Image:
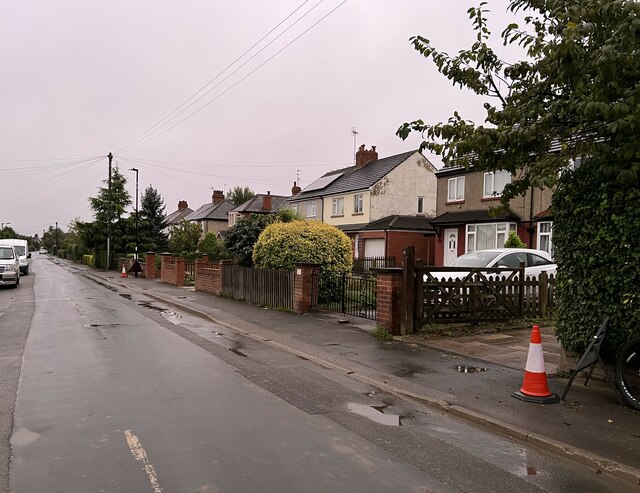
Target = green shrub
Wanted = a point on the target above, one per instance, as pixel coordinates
(282, 245)
(514, 241)
(597, 248)
(382, 334)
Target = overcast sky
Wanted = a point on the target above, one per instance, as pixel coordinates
(82, 78)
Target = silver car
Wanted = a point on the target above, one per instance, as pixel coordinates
(9, 266)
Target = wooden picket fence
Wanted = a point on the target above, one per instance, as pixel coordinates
(272, 288)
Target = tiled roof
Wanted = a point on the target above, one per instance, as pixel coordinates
(406, 223)
(211, 211)
(254, 205)
(176, 216)
(463, 217)
(358, 178)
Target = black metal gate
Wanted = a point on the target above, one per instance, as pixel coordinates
(344, 293)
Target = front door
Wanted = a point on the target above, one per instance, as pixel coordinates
(451, 245)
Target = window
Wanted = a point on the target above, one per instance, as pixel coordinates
(494, 183)
(484, 236)
(357, 204)
(456, 189)
(545, 232)
(295, 208)
(420, 205)
(311, 209)
(337, 206)
(232, 218)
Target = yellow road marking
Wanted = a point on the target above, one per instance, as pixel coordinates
(139, 454)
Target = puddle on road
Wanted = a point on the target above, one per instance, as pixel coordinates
(150, 306)
(469, 369)
(374, 414)
(23, 436)
(93, 326)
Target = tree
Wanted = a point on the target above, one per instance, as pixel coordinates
(242, 236)
(239, 195)
(212, 247)
(574, 95)
(185, 238)
(282, 245)
(514, 241)
(109, 208)
(152, 224)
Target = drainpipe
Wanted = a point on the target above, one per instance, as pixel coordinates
(531, 229)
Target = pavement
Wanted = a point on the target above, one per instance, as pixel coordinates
(470, 377)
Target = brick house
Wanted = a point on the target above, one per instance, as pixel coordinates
(259, 204)
(374, 200)
(173, 219)
(212, 217)
(465, 221)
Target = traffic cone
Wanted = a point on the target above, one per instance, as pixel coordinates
(124, 272)
(534, 387)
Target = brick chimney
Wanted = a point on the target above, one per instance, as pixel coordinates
(364, 156)
(266, 201)
(182, 205)
(295, 190)
(217, 197)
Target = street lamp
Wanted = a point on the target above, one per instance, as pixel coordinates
(136, 170)
(3, 228)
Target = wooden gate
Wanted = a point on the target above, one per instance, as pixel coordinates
(470, 295)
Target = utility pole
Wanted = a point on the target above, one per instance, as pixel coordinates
(56, 237)
(136, 170)
(110, 156)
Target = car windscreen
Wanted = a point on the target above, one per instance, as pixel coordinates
(474, 259)
(6, 253)
(20, 250)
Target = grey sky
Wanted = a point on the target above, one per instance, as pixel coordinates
(82, 78)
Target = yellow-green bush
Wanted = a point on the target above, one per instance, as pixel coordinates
(88, 259)
(282, 245)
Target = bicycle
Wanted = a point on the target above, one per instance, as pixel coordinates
(626, 374)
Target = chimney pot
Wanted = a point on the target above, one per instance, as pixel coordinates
(295, 190)
(182, 205)
(364, 156)
(217, 197)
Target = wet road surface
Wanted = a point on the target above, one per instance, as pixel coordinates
(119, 393)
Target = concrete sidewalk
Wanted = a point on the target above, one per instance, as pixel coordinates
(591, 427)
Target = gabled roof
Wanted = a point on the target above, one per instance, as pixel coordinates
(463, 217)
(211, 211)
(254, 205)
(353, 178)
(176, 216)
(402, 223)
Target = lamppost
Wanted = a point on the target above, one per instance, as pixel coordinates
(136, 170)
(3, 228)
(56, 237)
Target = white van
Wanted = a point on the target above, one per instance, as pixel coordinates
(9, 266)
(22, 249)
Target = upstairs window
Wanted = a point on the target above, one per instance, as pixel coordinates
(311, 209)
(337, 206)
(494, 183)
(456, 189)
(358, 204)
(420, 205)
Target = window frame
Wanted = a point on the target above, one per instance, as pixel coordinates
(495, 193)
(311, 208)
(358, 200)
(501, 230)
(337, 206)
(420, 205)
(457, 180)
(546, 234)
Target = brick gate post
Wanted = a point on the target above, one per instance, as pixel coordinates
(389, 298)
(150, 265)
(303, 286)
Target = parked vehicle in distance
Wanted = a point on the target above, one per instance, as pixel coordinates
(9, 265)
(535, 262)
(22, 249)
(42, 250)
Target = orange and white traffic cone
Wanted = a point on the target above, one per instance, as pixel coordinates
(124, 272)
(534, 387)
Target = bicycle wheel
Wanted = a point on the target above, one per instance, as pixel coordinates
(628, 373)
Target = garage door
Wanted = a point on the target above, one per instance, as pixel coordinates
(374, 248)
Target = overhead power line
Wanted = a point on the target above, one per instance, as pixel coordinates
(152, 137)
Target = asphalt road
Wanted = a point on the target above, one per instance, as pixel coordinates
(118, 393)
